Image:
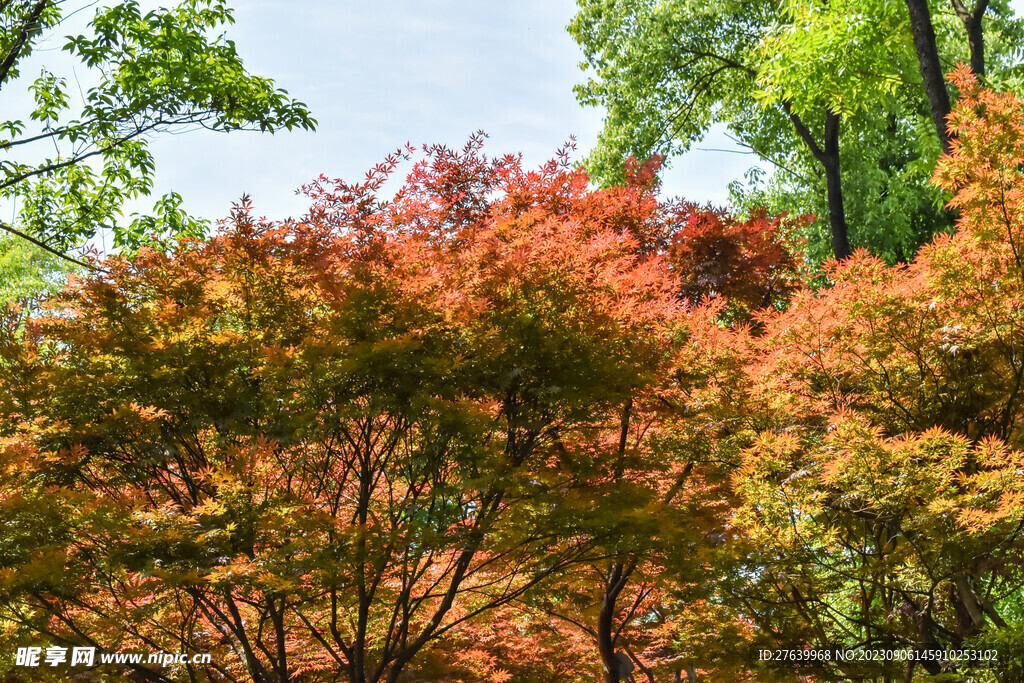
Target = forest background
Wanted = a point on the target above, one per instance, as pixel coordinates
(476, 418)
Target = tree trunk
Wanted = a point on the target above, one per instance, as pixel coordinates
(615, 580)
(605, 639)
(834, 186)
(828, 157)
(975, 36)
(976, 41)
(931, 68)
(925, 628)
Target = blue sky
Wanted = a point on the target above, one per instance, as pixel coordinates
(379, 74)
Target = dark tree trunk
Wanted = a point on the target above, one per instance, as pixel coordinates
(925, 627)
(975, 36)
(834, 186)
(605, 640)
(931, 68)
(828, 157)
(615, 580)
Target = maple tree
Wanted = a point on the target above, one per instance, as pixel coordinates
(751, 264)
(314, 447)
(652, 499)
(347, 445)
(882, 476)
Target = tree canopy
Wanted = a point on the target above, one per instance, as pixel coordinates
(499, 423)
(369, 429)
(505, 426)
(80, 150)
(831, 94)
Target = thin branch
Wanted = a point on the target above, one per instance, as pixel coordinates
(759, 153)
(55, 252)
(804, 132)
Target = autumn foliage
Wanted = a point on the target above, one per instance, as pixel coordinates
(502, 426)
(351, 444)
(883, 473)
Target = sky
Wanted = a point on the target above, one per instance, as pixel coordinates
(379, 74)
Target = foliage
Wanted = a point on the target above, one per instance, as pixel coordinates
(28, 273)
(788, 80)
(883, 481)
(347, 445)
(752, 264)
(71, 165)
(503, 426)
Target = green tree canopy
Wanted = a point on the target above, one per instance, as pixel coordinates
(81, 151)
(830, 93)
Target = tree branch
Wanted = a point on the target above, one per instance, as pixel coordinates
(43, 245)
(27, 27)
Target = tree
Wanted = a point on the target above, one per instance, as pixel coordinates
(317, 448)
(883, 479)
(646, 486)
(804, 85)
(750, 265)
(926, 46)
(72, 165)
(29, 274)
